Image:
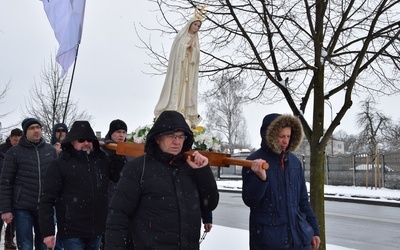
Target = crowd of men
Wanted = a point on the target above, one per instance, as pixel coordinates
(76, 194)
(58, 195)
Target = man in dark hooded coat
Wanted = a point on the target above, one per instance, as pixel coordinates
(162, 193)
(280, 213)
(59, 132)
(12, 140)
(76, 184)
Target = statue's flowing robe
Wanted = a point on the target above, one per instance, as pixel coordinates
(180, 90)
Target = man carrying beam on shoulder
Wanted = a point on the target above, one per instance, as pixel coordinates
(162, 193)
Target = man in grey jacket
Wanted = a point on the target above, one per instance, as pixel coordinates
(21, 182)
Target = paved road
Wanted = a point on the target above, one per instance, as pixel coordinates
(351, 225)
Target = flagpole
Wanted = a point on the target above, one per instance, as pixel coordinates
(70, 85)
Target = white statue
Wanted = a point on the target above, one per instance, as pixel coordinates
(180, 90)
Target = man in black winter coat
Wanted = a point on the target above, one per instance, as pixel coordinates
(162, 193)
(12, 140)
(115, 134)
(22, 175)
(76, 185)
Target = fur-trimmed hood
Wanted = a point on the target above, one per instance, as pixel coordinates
(271, 125)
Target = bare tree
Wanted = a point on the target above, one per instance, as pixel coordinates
(303, 51)
(224, 110)
(392, 138)
(47, 100)
(3, 93)
(372, 122)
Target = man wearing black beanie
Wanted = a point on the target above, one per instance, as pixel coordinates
(21, 181)
(116, 125)
(116, 133)
(26, 123)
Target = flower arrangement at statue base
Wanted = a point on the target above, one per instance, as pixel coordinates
(203, 140)
(140, 134)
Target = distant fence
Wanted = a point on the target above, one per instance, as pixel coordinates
(347, 170)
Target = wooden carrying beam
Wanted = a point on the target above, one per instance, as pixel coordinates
(214, 159)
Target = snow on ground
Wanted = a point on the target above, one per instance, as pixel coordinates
(222, 237)
(236, 239)
(392, 195)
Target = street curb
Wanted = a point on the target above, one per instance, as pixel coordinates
(368, 201)
(363, 200)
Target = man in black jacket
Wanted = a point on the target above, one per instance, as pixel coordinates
(12, 140)
(76, 185)
(162, 193)
(115, 134)
(21, 183)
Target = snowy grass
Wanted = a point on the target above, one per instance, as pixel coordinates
(392, 195)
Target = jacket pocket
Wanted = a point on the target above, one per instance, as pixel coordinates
(305, 231)
(271, 232)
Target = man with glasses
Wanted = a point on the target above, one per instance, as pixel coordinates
(76, 185)
(21, 181)
(162, 194)
(59, 132)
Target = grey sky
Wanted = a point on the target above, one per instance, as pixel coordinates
(109, 82)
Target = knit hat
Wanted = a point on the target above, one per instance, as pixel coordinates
(116, 125)
(16, 132)
(28, 122)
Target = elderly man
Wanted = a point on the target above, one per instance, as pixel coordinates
(76, 185)
(161, 194)
(21, 182)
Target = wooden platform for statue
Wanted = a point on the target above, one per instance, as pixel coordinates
(214, 159)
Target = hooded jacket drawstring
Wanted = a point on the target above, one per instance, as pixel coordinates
(283, 161)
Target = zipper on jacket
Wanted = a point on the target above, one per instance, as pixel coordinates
(39, 173)
(92, 191)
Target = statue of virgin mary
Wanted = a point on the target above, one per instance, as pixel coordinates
(180, 89)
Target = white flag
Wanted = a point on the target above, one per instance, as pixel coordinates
(66, 19)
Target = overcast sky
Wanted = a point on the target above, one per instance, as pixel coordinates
(109, 82)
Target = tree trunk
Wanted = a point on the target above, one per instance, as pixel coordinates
(317, 148)
(317, 190)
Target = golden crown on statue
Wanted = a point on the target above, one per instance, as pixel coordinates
(200, 13)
